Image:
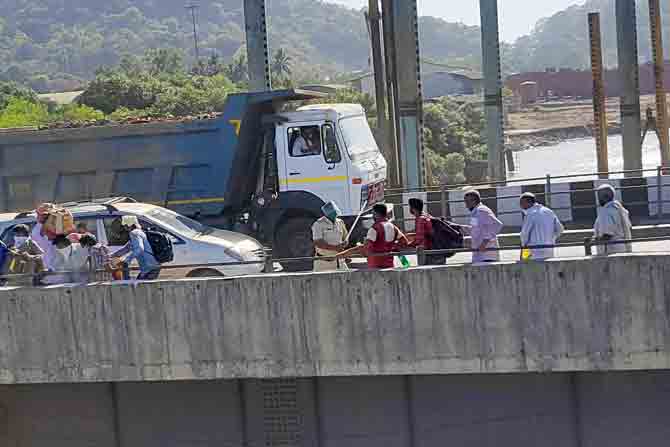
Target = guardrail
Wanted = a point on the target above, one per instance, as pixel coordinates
(546, 196)
(588, 244)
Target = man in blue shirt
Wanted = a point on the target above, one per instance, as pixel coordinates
(139, 249)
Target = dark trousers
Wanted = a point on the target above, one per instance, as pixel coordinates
(436, 259)
(149, 276)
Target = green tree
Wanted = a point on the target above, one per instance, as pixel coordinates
(281, 64)
(21, 112)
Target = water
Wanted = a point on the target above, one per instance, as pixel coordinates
(579, 157)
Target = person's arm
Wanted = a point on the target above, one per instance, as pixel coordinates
(400, 238)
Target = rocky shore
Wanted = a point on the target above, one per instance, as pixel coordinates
(520, 140)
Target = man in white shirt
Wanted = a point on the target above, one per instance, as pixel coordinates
(307, 143)
(483, 229)
(540, 227)
(612, 224)
(329, 234)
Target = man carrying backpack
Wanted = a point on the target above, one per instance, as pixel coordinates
(433, 234)
(138, 248)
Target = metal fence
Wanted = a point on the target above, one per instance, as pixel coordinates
(548, 181)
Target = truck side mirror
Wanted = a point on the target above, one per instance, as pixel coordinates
(332, 153)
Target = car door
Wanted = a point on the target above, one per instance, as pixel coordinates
(321, 170)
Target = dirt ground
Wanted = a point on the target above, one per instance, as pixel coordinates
(566, 114)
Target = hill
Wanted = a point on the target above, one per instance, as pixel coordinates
(562, 41)
(66, 40)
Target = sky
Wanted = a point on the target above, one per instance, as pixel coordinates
(517, 17)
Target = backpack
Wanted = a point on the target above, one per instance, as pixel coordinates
(446, 236)
(161, 246)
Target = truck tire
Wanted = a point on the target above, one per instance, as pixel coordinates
(294, 240)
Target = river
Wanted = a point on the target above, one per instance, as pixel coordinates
(579, 157)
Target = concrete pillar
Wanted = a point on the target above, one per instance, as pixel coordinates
(656, 26)
(599, 106)
(409, 95)
(493, 101)
(629, 75)
(257, 45)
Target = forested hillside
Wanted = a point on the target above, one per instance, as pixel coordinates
(70, 39)
(562, 41)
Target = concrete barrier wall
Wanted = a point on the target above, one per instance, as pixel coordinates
(619, 409)
(578, 315)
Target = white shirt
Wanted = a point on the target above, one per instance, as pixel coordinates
(541, 227)
(389, 233)
(484, 225)
(300, 147)
(45, 244)
(613, 219)
(332, 233)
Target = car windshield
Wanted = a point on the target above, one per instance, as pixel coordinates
(357, 136)
(182, 224)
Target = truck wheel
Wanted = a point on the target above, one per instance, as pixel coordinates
(294, 240)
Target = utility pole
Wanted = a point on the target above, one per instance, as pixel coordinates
(193, 8)
(493, 100)
(656, 26)
(631, 121)
(599, 109)
(258, 58)
(391, 63)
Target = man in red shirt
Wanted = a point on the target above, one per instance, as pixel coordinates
(424, 232)
(383, 237)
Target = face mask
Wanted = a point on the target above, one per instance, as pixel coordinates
(19, 240)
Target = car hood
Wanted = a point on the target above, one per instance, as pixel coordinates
(244, 247)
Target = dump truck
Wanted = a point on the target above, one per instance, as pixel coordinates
(236, 171)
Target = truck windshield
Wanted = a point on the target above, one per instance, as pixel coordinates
(183, 225)
(357, 136)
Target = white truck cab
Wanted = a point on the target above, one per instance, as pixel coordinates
(329, 151)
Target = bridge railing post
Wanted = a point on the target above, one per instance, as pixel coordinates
(588, 246)
(659, 192)
(443, 200)
(269, 265)
(421, 256)
(547, 192)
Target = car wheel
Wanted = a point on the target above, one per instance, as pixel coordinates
(205, 273)
(294, 240)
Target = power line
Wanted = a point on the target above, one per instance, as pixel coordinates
(193, 8)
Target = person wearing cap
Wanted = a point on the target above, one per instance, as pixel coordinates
(540, 227)
(138, 248)
(329, 234)
(483, 229)
(25, 258)
(612, 224)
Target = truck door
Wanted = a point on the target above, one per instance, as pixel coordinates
(313, 163)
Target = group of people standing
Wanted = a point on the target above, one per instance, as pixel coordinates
(540, 232)
(36, 257)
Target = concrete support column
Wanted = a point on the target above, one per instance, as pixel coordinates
(493, 101)
(257, 45)
(626, 24)
(656, 26)
(395, 167)
(409, 95)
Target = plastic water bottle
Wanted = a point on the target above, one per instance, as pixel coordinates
(404, 262)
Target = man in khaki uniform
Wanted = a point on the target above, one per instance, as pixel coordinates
(329, 234)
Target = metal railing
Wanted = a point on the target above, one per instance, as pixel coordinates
(545, 197)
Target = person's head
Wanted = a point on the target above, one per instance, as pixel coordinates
(309, 133)
(61, 241)
(472, 198)
(82, 228)
(130, 223)
(380, 212)
(606, 194)
(88, 241)
(21, 234)
(331, 211)
(527, 200)
(416, 206)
